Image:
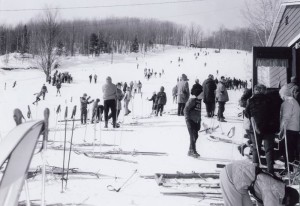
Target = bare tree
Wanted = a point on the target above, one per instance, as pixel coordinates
(260, 14)
(47, 40)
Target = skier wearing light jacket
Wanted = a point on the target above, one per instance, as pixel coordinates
(290, 120)
(109, 96)
(192, 113)
(241, 177)
(222, 98)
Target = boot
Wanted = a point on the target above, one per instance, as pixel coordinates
(106, 123)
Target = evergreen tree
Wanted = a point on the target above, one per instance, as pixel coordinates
(3, 38)
(25, 41)
(94, 44)
(135, 45)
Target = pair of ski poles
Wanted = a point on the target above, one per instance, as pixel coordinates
(113, 189)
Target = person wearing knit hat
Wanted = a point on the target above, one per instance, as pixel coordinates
(240, 178)
(192, 114)
(290, 122)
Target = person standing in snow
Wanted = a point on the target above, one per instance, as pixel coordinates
(209, 97)
(125, 87)
(154, 105)
(84, 101)
(183, 93)
(174, 94)
(44, 91)
(14, 85)
(119, 98)
(161, 100)
(222, 98)
(90, 77)
(58, 86)
(241, 177)
(127, 99)
(95, 78)
(95, 115)
(192, 114)
(139, 85)
(109, 96)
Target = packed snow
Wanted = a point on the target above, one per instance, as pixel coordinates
(139, 131)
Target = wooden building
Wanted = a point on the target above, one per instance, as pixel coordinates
(275, 64)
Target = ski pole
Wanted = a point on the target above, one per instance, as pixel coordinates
(287, 156)
(255, 137)
(71, 143)
(65, 139)
(46, 132)
(111, 188)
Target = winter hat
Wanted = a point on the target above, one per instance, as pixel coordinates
(291, 196)
(197, 81)
(210, 76)
(108, 78)
(97, 100)
(84, 94)
(162, 89)
(293, 79)
(184, 77)
(285, 91)
(119, 84)
(259, 89)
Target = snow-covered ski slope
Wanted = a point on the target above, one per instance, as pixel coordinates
(138, 132)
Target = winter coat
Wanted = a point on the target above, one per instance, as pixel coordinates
(161, 98)
(290, 114)
(84, 102)
(174, 91)
(221, 93)
(258, 107)
(44, 89)
(245, 96)
(209, 87)
(120, 96)
(153, 98)
(58, 85)
(269, 190)
(109, 90)
(127, 96)
(124, 87)
(183, 91)
(195, 87)
(192, 110)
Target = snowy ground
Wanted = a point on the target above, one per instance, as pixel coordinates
(166, 134)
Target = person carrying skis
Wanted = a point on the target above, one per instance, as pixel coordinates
(84, 101)
(109, 96)
(241, 177)
(154, 105)
(44, 90)
(161, 100)
(58, 86)
(192, 114)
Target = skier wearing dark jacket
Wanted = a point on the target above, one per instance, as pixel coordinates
(196, 86)
(258, 111)
(84, 101)
(154, 105)
(161, 101)
(192, 113)
(209, 96)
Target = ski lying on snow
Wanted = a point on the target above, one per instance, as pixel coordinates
(133, 153)
(217, 195)
(106, 157)
(88, 144)
(215, 159)
(117, 129)
(221, 139)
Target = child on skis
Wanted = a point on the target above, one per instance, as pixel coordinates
(154, 105)
(161, 101)
(192, 114)
(38, 95)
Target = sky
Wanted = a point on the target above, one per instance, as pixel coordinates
(209, 14)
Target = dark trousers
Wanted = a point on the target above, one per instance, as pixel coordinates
(83, 116)
(210, 108)
(193, 129)
(269, 149)
(292, 145)
(118, 112)
(160, 108)
(110, 104)
(97, 113)
(221, 109)
(181, 107)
